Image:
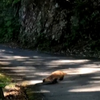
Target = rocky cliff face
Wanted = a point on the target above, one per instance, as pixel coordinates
(67, 26)
(44, 19)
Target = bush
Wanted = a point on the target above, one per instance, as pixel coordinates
(9, 22)
(4, 80)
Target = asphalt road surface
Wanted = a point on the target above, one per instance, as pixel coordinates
(81, 83)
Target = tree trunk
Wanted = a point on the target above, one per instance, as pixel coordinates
(1, 94)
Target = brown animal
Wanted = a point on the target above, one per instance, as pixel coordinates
(54, 77)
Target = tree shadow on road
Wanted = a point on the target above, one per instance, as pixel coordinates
(33, 66)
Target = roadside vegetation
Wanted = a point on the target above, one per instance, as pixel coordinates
(9, 21)
(10, 89)
(4, 80)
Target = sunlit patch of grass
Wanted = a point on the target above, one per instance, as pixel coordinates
(4, 80)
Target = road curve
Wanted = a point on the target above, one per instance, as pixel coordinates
(81, 83)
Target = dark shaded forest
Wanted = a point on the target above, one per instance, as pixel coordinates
(70, 27)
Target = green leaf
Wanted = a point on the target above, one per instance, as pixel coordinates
(15, 1)
(8, 23)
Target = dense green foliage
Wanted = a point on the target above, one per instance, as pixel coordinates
(85, 24)
(9, 24)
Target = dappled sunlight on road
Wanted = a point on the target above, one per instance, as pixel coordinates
(42, 91)
(87, 70)
(31, 82)
(85, 89)
(38, 67)
(60, 62)
(82, 70)
(29, 68)
(19, 57)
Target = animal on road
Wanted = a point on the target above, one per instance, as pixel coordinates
(54, 77)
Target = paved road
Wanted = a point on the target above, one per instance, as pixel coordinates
(81, 83)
